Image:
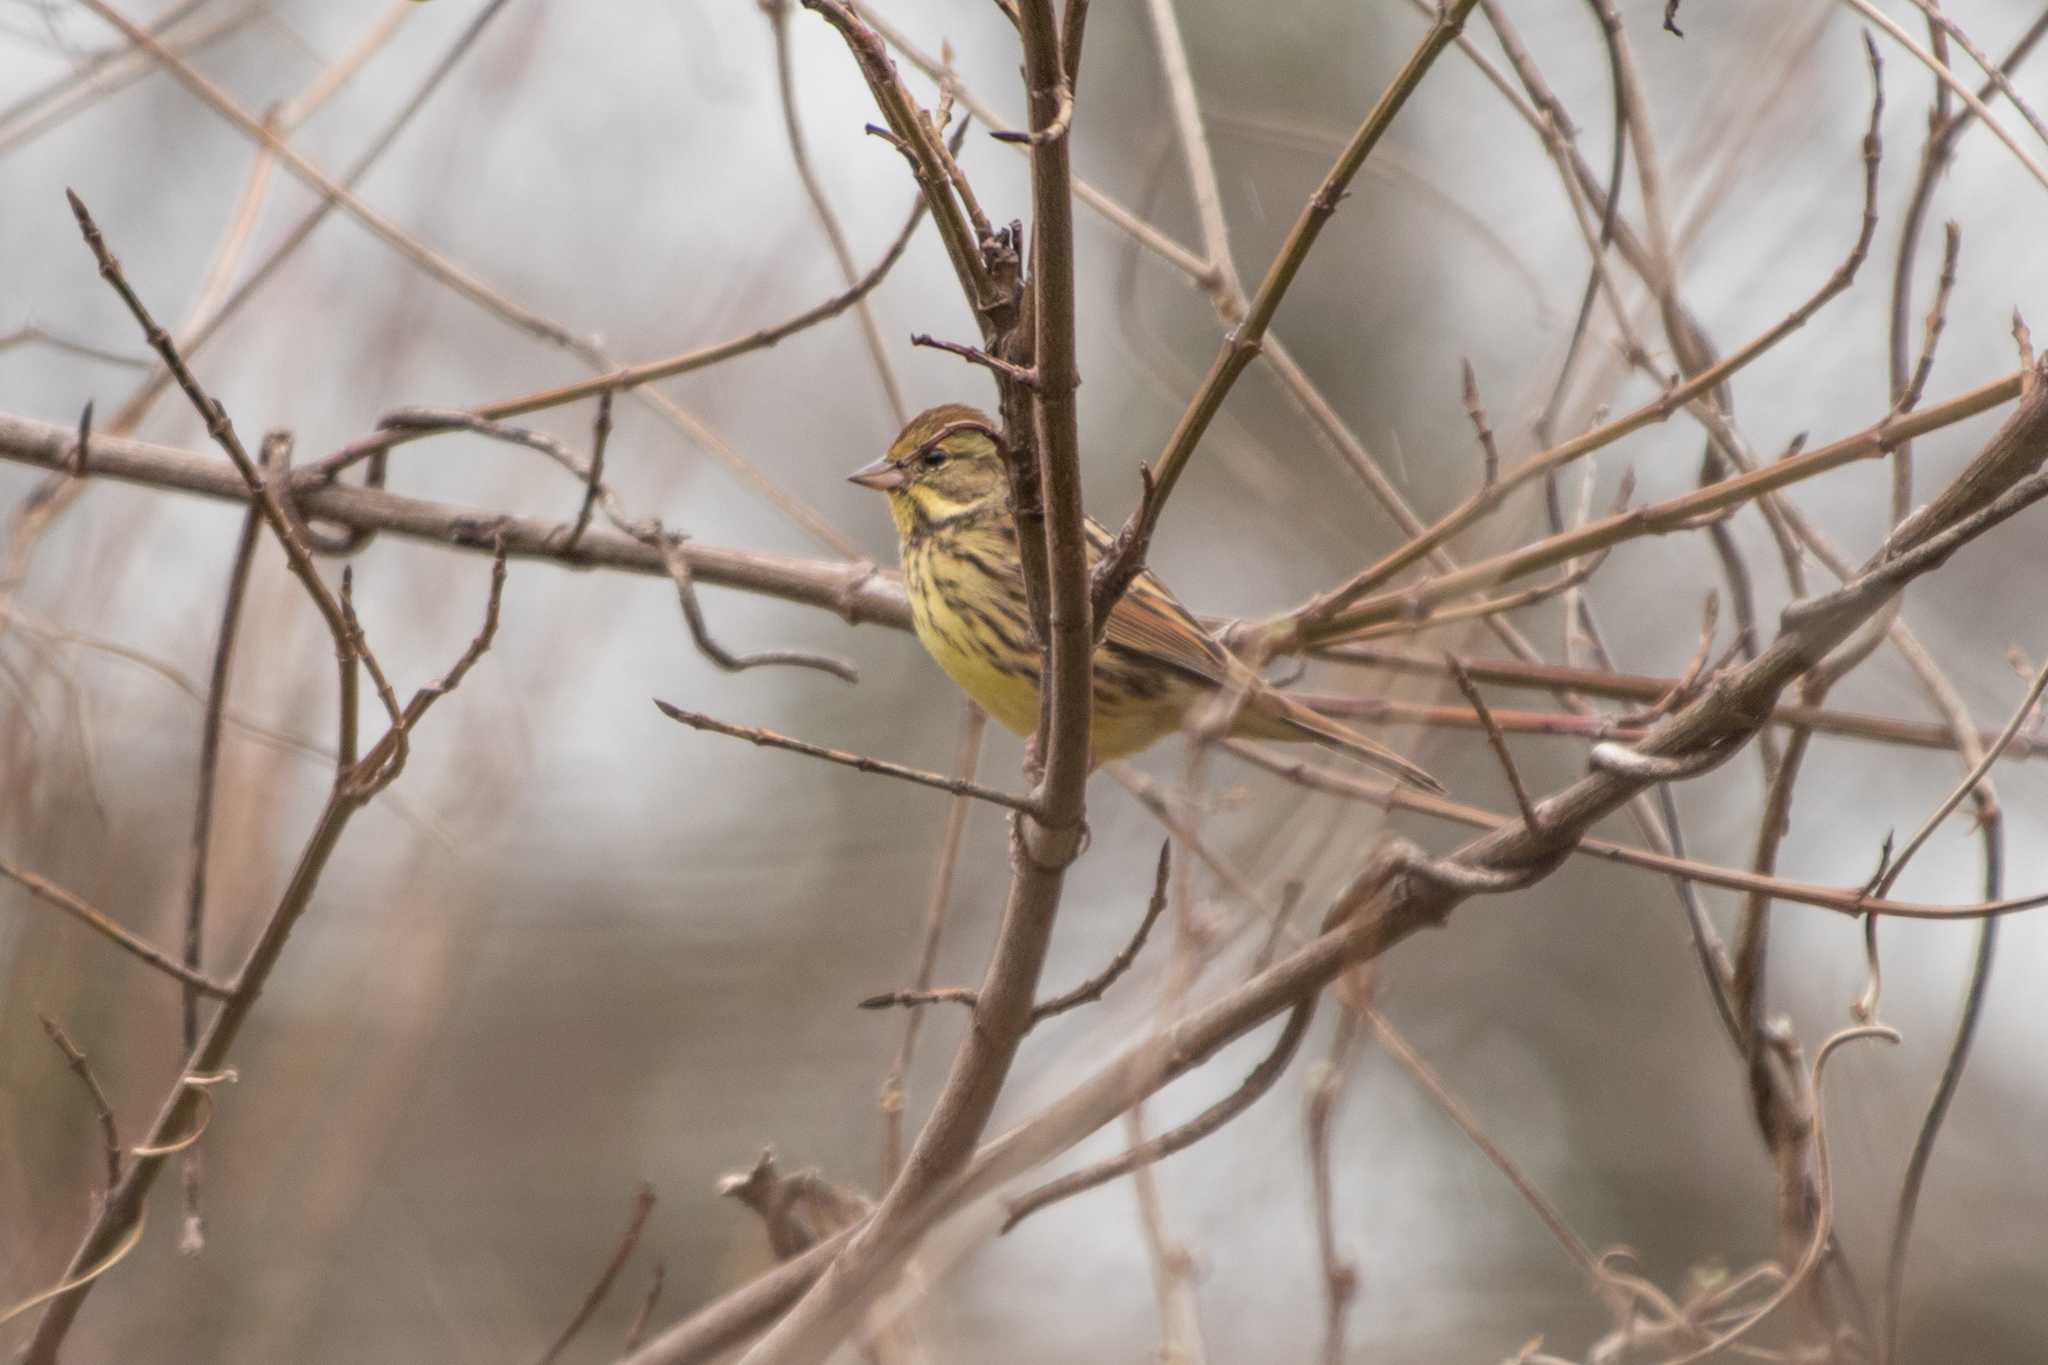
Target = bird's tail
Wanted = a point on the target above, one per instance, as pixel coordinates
(1274, 715)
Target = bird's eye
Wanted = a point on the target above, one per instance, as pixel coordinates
(934, 457)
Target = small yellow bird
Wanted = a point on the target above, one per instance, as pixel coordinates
(1155, 669)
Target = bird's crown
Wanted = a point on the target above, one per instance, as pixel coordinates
(935, 426)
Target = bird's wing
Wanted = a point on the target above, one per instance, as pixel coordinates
(1149, 620)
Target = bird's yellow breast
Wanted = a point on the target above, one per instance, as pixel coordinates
(975, 625)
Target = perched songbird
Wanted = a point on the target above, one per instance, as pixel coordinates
(1155, 669)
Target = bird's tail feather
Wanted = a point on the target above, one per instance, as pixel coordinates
(1273, 715)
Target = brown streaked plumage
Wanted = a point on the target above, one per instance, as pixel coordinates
(1156, 667)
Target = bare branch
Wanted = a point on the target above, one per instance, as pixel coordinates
(643, 1205)
(871, 332)
(1499, 744)
(1256, 1083)
(600, 434)
(859, 762)
(1091, 990)
(966, 758)
(1245, 339)
(50, 893)
(110, 1137)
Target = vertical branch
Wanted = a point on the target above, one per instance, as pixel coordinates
(1044, 844)
(192, 1238)
(1325, 1085)
(1069, 640)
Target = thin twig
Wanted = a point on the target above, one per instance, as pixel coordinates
(110, 1136)
(1855, 902)
(974, 355)
(1256, 1083)
(192, 1235)
(1245, 339)
(1949, 79)
(638, 1331)
(1490, 453)
(1123, 219)
(1977, 773)
(600, 433)
(52, 894)
(966, 758)
(1410, 1061)
(680, 573)
(1091, 990)
(1674, 398)
(1649, 519)
(118, 1224)
(860, 762)
(1937, 316)
(1340, 1276)
(871, 331)
(643, 1205)
(222, 430)
(1497, 742)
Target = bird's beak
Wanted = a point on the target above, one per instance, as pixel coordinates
(881, 476)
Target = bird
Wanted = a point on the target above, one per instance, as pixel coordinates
(1156, 670)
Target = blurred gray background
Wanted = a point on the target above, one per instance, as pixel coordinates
(578, 946)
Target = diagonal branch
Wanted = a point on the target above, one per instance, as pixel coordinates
(958, 786)
(1245, 339)
(50, 893)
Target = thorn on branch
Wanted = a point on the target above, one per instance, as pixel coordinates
(877, 130)
(80, 459)
(1051, 132)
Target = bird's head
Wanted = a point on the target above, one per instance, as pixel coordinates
(944, 465)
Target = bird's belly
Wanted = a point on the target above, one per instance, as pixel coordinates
(1001, 688)
(1120, 723)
